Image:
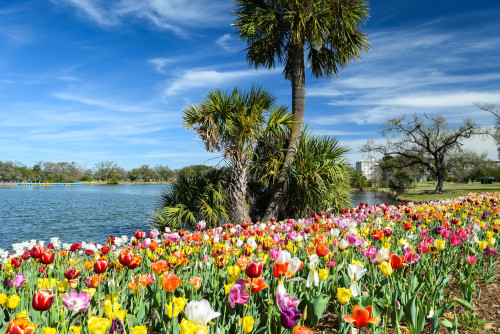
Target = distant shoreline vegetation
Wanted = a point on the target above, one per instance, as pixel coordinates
(105, 172)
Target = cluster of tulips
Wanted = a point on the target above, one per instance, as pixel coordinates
(377, 267)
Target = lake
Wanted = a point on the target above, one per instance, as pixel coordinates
(86, 213)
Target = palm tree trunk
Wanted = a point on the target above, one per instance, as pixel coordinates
(239, 211)
(296, 55)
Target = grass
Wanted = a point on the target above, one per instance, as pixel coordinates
(452, 190)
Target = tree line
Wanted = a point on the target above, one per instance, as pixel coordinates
(45, 171)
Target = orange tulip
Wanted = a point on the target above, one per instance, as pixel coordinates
(257, 284)
(361, 317)
(171, 282)
(159, 267)
(20, 326)
(280, 269)
(242, 262)
(196, 282)
(301, 330)
(377, 234)
(94, 281)
(322, 250)
(89, 264)
(397, 262)
(133, 285)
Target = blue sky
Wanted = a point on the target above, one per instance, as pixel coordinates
(95, 80)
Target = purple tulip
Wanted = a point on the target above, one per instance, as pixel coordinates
(75, 301)
(19, 281)
(116, 327)
(289, 317)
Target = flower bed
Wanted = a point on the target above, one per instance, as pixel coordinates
(383, 268)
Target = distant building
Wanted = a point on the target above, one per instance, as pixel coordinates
(367, 168)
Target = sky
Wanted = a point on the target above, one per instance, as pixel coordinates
(100, 80)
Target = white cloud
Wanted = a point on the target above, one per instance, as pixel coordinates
(160, 63)
(197, 78)
(226, 42)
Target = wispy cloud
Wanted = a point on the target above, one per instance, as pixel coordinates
(174, 15)
(198, 78)
(228, 43)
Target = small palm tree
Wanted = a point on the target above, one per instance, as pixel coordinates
(322, 35)
(195, 194)
(232, 123)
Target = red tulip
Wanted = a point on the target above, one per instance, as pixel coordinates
(36, 251)
(377, 234)
(134, 262)
(125, 258)
(100, 266)
(139, 234)
(397, 262)
(105, 250)
(254, 268)
(47, 257)
(43, 300)
(361, 317)
(71, 273)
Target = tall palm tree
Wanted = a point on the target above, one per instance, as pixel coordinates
(322, 35)
(232, 123)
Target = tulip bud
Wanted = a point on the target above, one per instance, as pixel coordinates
(139, 234)
(36, 251)
(47, 257)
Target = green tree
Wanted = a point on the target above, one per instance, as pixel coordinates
(321, 35)
(232, 123)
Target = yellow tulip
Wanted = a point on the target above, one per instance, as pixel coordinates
(139, 330)
(22, 315)
(49, 330)
(233, 270)
(8, 269)
(344, 295)
(483, 244)
(489, 234)
(186, 327)
(248, 323)
(440, 244)
(177, 306)
(46, 283)
(227, 288)
(359, 263)
(90, 291)
(62, 285)
(75, 329)
(200, 329)
(98, 325)
(13, 301)
(402, 241)
(491, 241)
(3, 299)
(113, 311)
(386, 268)
(323, 274)
(231, 280)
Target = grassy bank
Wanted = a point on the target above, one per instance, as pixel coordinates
(451, 190)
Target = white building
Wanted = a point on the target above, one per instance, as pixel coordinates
(367, 167)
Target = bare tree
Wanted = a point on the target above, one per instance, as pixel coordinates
(496, 112)
(426, 142)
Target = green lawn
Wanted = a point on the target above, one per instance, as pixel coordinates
(455, 189)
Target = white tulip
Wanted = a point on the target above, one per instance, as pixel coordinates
(200, 312)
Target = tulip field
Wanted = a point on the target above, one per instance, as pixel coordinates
(405, 268)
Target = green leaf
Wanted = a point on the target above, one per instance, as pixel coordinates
(465, 304)
(489, 280)
(316, 307)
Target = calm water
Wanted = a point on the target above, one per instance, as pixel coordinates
(74, 214)
(87, 213)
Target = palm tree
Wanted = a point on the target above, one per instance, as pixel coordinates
(197, 193)
(232, 123)
(322, 35)
(318, 178)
